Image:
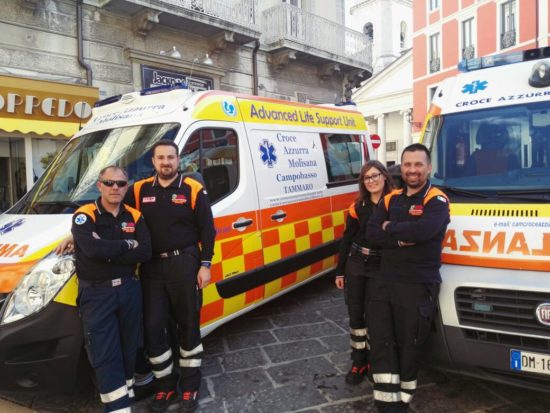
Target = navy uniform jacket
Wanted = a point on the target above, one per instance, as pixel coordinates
(356, 233)
(178, 216)
(110, 256)
(421, 218)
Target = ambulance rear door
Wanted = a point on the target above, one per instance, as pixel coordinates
(220, 151)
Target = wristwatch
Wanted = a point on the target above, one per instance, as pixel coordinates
(206, 264)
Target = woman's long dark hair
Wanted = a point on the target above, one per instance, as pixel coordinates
(364, 194)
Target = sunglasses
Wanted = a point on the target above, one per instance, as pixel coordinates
(110, 183)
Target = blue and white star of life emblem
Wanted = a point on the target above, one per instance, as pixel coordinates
(229, 108)
(10, 226)
(474, 87)
(80, 219)
(268, 153)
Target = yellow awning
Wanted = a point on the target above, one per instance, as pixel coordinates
(40, 127)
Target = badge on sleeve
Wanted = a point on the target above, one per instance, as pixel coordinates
(80, 219)
(442, 198)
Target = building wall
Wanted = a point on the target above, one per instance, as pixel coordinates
(40, 42)
(447, 21)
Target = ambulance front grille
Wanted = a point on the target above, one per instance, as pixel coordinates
(498, 212)
(501, 310)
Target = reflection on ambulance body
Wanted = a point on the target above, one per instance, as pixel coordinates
(279, 207)
(492, 157)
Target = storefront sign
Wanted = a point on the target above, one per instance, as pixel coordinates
(151, 76)
(40, 100)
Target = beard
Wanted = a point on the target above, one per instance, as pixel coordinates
(167, 173)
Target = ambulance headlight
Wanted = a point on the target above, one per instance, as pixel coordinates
(38, 287)
(540, 75)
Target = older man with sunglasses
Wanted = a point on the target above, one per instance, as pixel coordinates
(110, 239)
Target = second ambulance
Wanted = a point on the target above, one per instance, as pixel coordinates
(488, 131)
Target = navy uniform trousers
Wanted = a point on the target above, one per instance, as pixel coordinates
(171, 295)
(111, 313)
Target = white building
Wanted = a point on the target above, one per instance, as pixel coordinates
(386, 98)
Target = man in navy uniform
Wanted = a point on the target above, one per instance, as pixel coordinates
(177, 211)
(110, 240)
(403, 296)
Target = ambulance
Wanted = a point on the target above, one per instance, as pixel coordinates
(488, 130)
(280, 177)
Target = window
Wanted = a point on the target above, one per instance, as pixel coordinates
(434, 4)
(214, 154)
(403, 35)
(508, 24)
(342, 156)
(468, 48)
(435, 62)
(368, 30)
(391, 146)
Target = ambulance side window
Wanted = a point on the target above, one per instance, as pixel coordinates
(342, 156)
(214, 154)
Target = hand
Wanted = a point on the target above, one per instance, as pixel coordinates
(66, 246)
(384, 225)
(339, 281)
(132, 244)
(203, 277)
(94, 234)
(405, 244)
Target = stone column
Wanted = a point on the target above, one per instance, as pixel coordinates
(407, 128)
(381, 131)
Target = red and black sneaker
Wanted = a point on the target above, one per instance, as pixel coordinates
(356, 373)
(189, 401)
(161, 401)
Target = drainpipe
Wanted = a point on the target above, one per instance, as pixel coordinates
(81, 60)
(537, 24)
(255, 67)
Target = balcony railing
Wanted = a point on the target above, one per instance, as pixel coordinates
(469, 52)
(435, 65)
(240, 12)
(508, 39)
(290, 23)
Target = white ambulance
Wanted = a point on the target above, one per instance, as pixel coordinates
(488, 130)
(280, 176)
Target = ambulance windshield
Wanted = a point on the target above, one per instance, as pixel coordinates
(70, 180)
(501, 151)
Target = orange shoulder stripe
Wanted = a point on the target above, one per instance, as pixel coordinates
(136, 215)
(432, 193)
(88, 209)
(196, 187)
(352, 211)
(137, 190)
(388, 197)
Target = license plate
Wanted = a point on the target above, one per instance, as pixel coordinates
(532, 362)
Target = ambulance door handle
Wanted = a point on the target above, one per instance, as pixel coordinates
(241, 223)
(278, 216)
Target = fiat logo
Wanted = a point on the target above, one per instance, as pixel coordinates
(543, 313)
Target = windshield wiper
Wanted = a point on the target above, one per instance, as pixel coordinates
(537, 194)
(459, 191)
(70, 204)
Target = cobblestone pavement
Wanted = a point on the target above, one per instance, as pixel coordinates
(291, 355)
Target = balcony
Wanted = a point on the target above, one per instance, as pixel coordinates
(289, 30)
(508, 39)
(225, 20)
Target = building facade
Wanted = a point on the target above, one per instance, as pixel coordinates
(386, 99)
(297, 50)
(447, 31)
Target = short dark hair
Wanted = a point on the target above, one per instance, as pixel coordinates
(114, 167)
(164, 142)
(417, 147)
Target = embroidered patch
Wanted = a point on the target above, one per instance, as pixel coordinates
(416, 210)
(149, 199)
(179, 199)
(128, 227)
(80, 219)
(442, 198)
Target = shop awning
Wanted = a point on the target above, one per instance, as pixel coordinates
(43, 107)
(39, 127)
